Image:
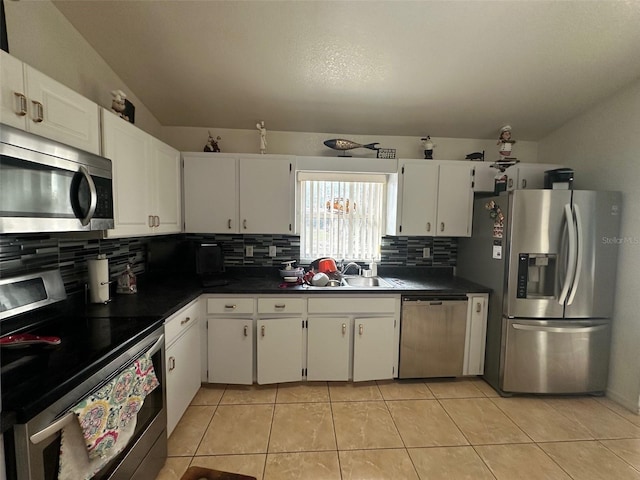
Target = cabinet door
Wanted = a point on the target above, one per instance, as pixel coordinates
(455, 200)
(230, 355)
(373, 348)
(419, 198)
(59, 113)
(210, 194)
(266, 195)
(166, 199)
(279, 350)
(183, 374)
(476, 335)
(328, 342)
(127, 147)
(13, 96)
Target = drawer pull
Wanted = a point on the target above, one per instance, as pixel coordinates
(40, 109)
(186, 320)
(246, 330)
(230, 307)
(23, 104)
(229, 224)
(361, 329)
(172, 363)
(280, 306)
(262, 331)
(344, 328)
(478, 307)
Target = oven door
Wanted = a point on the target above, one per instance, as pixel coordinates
(37, 443)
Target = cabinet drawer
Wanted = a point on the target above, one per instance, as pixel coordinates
(180, 321)
(352, 305)
(230, 305)
(281, 305)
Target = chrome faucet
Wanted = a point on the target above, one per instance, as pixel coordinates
(351, 264)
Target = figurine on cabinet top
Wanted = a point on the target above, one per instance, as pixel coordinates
(504, 143)
(212, 144)
(123, 107)
(263, 136)
(428, 147)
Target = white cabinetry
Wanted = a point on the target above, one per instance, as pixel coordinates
(519, 176)
(227, 193)
(182, 361)
(280, 339)
(476, 334)
(230, 332)
(31, 101)
(146, 177)
(359, 340)
(432, 199)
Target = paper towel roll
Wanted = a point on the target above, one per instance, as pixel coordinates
(98, 280)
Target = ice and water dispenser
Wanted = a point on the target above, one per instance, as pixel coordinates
(536, 275)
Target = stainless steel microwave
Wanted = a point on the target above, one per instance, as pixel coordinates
(46, 186)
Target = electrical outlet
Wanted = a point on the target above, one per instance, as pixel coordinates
(426, 252)
(248, 251)
(272, 251)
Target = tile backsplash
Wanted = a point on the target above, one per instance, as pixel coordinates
(26, 253)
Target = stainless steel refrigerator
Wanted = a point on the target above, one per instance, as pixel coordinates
(550, 257)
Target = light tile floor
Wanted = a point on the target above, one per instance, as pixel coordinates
(397, 430)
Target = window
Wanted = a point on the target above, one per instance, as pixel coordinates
(341, 215)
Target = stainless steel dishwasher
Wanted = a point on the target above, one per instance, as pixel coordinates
(432, 336)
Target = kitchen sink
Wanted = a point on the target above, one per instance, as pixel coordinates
(365, 282)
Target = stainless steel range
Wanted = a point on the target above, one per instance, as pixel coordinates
(52, 359)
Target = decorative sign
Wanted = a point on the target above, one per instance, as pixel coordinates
(386, 153)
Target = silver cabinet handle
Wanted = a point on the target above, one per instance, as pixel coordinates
(40, 109)
(172, 363)
(22, 111)
(510, 183)
(156, 222)
(478, 307)
(524, 183)
(244, 223)
(246, 330)
(361, 329)
(186, 320)
(231, 307)
(262, 331)
(151, 221)
(229, 224)
(428, 226)
(344, 328)
(442, 226)
(280, 306)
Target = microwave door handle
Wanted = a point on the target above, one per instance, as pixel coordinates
(52, 428)
(571, 268)
(94, 197)
(580, 250)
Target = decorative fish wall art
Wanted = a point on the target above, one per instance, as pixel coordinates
(343, 145)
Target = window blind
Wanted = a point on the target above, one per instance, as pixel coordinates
(341, 218)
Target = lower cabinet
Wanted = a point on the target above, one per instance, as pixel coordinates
(373, 348)
(476, 334)
(279, 350)
(328, 348)
(230, 358)
(182, 335)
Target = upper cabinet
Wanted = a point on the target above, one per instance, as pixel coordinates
(146, 173)
(519, 176)
(431, 198)
(34, 102)
(233, 193)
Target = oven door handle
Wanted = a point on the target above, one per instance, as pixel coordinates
(157, 345)
(54, 427)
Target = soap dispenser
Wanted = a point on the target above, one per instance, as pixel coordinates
(373, 267)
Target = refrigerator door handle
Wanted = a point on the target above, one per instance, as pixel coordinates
(580, 249)
(571, 268)
(537, 328)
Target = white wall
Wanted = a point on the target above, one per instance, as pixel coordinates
(42, 37)
(603, 146)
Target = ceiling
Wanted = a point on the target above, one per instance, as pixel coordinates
(444, 68)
